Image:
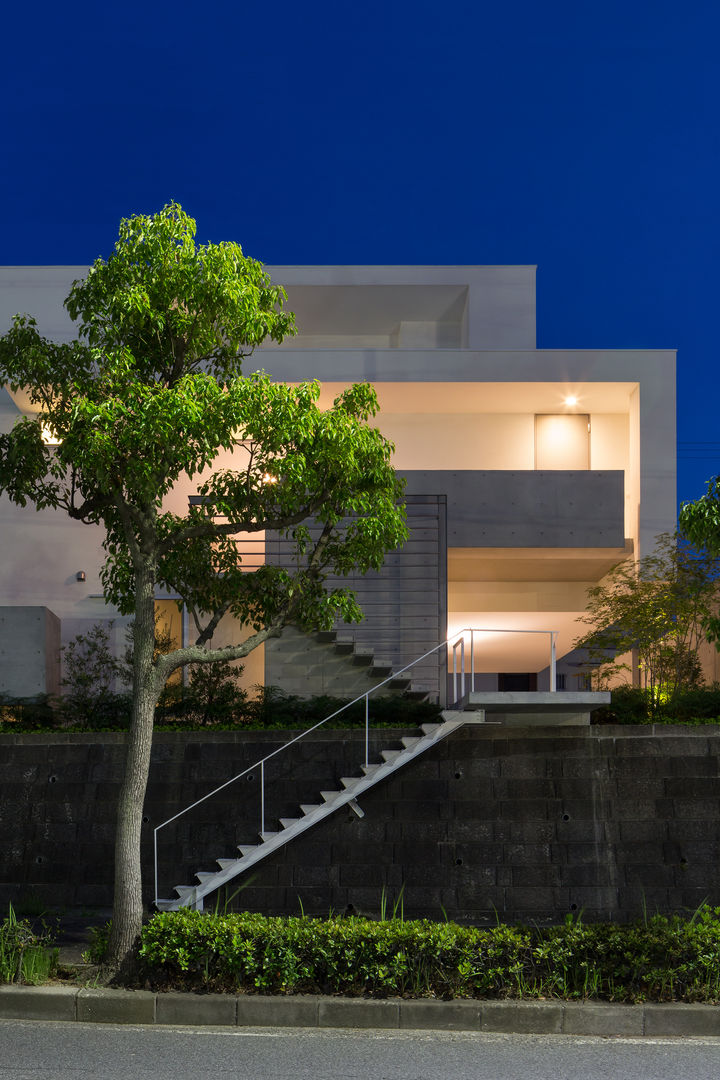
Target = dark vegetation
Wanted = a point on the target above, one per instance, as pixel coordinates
(634, 705)
(26, 951)
(657, 959)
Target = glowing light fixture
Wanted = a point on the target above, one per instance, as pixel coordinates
(570, 400)
(49, 437)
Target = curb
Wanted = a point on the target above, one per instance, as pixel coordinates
(250, 1010)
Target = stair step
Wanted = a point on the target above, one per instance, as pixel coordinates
(349, 782)
(287, 822)
(184, 890)
(265, 836)
(430, 729)
(369, 769)
(205, 875)
(390, 755)
(310, 808)
(410, 740)
(247, 849)
(363, 657)
(226, 864)
(381, 667)
(326, 636)
(329, 796)
(344, 645)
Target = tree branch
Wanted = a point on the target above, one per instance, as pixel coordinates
(205, 635)
(215, 531)
(197, 654)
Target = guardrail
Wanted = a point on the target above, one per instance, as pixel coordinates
(454, 645)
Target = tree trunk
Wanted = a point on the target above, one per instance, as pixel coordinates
(127, 901)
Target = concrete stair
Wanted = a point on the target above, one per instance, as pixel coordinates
(352, 787)
(331, 662)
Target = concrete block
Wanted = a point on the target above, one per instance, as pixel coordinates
(598, 1018)
(265, 1011)
(358, 1013)
(531, 787)
(681, 1019)
(523, 1017)
(37, 1002)
(116, 1006)
(196, 1009)
(528, 876)
(441, 1015)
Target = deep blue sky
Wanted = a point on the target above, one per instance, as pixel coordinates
(580, 137)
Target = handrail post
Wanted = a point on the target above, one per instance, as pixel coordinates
(262, 796)
(472, 660)
(553, 676)
(367, 729)
(455, 674)
(462, 667)
(156, 863)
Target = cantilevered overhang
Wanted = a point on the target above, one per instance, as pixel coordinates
(534, 563)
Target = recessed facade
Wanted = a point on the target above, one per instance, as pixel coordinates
(530, 472)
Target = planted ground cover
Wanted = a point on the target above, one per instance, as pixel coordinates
(26, 954)
(662, 959)
(270, 709)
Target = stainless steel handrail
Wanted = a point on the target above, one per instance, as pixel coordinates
(452, 643)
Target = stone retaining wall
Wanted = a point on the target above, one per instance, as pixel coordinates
(520, 824)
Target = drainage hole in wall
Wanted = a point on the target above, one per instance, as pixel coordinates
(52, 779)
(39, 859)
(566, 817)
(251, 776)
(573, 907)
(458, 775)
(458, 862)
(145, 819)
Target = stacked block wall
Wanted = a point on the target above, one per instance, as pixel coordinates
(491, 823)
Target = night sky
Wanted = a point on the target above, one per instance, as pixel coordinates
(580, 137)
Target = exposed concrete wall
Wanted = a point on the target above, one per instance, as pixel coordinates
(492, 823)
(29, 651)
(528, 508)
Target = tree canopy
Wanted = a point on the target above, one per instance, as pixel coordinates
(151, 392)
(657, 606)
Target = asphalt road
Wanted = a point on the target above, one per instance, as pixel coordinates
(36, 1050)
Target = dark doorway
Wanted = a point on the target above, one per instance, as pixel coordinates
(518, 681)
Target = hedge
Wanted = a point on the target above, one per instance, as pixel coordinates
(662, 959)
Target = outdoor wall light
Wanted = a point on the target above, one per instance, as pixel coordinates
(49, 437)
(570, 400)
(80, 576)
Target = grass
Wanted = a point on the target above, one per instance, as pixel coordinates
(26, 955)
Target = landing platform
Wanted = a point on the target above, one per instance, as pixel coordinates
(540, 708)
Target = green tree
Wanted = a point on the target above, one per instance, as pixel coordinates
(151, 391)
(658, 606)
(700, 522)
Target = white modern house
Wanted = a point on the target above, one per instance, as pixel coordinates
(530, 473)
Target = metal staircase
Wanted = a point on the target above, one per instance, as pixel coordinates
(191, 896)
(462, 677)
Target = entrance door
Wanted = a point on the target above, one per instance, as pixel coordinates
(562, 442)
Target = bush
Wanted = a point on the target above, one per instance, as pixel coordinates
(27, 714)
(633, 705)
(91, 674)
(664, 959)
(26, 956)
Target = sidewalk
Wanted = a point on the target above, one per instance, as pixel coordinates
(57, 1002)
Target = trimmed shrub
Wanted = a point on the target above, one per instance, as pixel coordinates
(664, 959)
